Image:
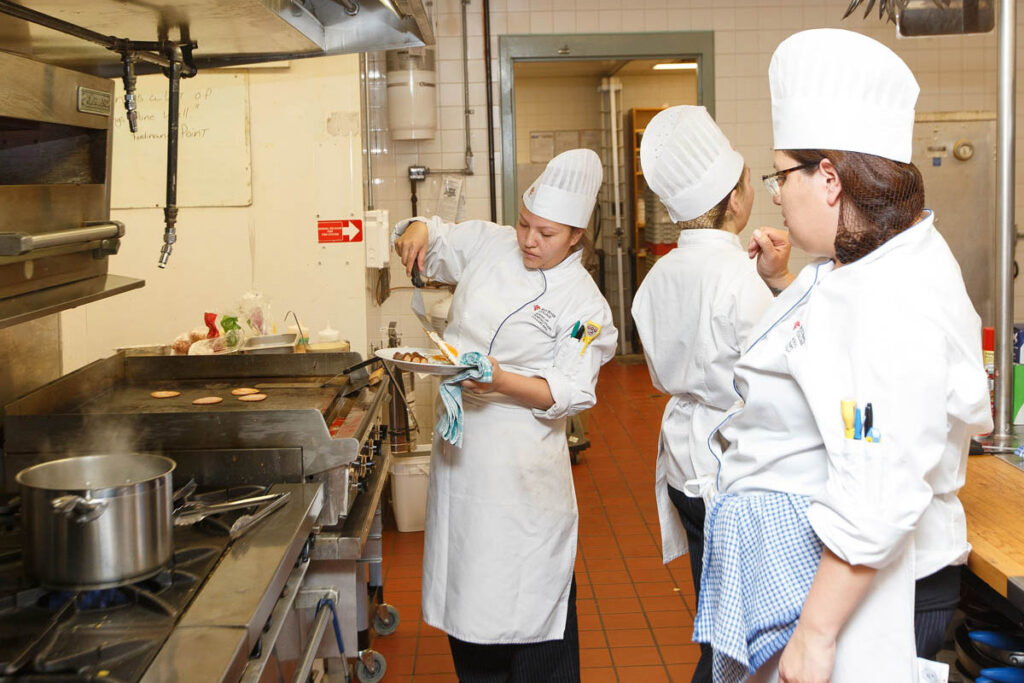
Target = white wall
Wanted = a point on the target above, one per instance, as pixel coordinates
(306, 163)
(955, 73)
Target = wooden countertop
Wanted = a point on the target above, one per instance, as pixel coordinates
(993, 499)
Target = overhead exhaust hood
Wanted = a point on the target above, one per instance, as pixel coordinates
(227, 32)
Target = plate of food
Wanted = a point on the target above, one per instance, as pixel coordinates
(424, 361)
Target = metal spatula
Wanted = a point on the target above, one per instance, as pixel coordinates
(417, 300)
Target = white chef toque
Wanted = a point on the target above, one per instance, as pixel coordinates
(688, 162)
(567, 189)
(836, 89)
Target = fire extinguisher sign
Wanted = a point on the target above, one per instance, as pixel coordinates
(347, 230)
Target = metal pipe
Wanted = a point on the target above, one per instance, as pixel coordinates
(309, 654)
(364, 69)
(612, 85)
(1005, 219)
(18, 243)
(171, 208)
(465, 88)
(490, 111)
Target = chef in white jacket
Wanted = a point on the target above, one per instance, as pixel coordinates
(500, 541)
(693, 312)
(820, 527)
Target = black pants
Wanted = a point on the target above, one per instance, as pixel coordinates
(552, 661)
(935, 599)
(691, 514)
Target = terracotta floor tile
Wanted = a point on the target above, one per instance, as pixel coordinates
(681, 673)
(395, 646)
(680, 654)
(630, 637)
(585, 607)
(670, 618)
(614, 590)
(433, 645)
(673, 636)
(642, 674)
(657, 588)
(402, 599)
(595, 657)
(666, 604)
(398, 666)
(434, 664)
(605, 675)
(635, 656)
(611, 564)
(589, 622)
(435, 678)
(613, 576)
(592, 639)
(650, 575)
(403, 584)
(618, 605)
(584, 592)
(614, 622)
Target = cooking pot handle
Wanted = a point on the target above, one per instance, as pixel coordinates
(84, 509)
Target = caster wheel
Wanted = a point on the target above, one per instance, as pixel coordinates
(385, 627)
(365, 675)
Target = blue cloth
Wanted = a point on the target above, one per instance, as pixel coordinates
(449, 425)
(760, 557)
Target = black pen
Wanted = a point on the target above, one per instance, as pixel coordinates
(868, 418)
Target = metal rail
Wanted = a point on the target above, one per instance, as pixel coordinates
(19, 243)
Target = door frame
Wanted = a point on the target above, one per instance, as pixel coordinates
(699, 45)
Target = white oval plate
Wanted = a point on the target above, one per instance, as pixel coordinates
(422, 368)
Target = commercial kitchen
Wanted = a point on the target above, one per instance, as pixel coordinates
(225, 176)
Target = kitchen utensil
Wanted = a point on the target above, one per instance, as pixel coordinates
(247, 522)
(420, 310)
(96, 521)
(431, 368)
(270, 343)
(190, 513)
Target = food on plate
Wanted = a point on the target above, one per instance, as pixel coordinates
(207, 401)
(250, 398)
(164, 394)
(438, 358)
(449, 351)
(244, 391)
(417, 357)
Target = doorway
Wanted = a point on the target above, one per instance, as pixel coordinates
(598, 91)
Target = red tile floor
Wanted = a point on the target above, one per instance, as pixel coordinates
(635, 614)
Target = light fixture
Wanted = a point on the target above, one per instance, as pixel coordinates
(691, 66)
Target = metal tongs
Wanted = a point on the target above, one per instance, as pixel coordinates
(189, 513)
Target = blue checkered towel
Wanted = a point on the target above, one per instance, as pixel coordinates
(760, 557)
(449, 425)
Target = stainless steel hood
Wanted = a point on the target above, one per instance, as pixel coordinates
(227, 31)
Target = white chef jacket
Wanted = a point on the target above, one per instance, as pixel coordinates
(693, 312)
(500, 538)
(895, 329)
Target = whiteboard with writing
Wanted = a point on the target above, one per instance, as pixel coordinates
(214, 160)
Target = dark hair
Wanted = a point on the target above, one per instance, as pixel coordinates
(715, 216)
(880, 199)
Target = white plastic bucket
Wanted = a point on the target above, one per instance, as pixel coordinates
(409, 476)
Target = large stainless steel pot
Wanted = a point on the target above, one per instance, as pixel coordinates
(97, 521)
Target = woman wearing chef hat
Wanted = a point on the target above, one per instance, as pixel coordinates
(693, 313)
(821, 526)
(500, 541)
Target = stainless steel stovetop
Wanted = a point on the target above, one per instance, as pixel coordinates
(201, 618)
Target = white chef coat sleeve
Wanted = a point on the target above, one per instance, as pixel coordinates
(450, 246)
(875, 493)
(572, 377)
(752, 299)
(644, 317)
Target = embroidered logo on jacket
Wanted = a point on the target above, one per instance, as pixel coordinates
(544, 317)
(798, 339)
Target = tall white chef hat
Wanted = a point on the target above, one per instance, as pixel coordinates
(836, 89)
(567, 189)
(688, 161)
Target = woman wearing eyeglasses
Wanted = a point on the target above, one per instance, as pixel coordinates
(860, 390)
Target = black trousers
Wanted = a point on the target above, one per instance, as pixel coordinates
(552, 661)
(935, 599)
(691, 514)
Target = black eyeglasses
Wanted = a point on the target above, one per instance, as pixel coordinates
(773, 181)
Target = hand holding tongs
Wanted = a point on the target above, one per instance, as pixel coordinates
(190, 513)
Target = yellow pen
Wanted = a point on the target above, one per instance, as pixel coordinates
(848, 409)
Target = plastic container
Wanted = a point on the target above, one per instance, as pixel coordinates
(409, 475)
(412, 93)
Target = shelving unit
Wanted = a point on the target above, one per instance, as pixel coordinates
(636, 121)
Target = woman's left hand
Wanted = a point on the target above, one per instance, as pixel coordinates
(486, 387)
(807, 658)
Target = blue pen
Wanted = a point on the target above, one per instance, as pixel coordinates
(856, 424)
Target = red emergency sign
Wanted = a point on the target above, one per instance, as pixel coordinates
(348, 230)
